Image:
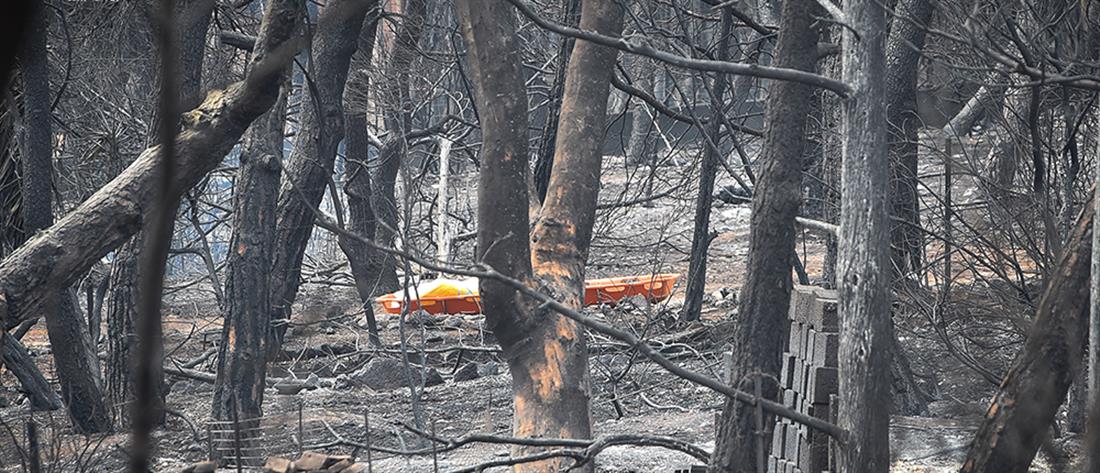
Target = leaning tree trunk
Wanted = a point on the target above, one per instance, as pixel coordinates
(760, 332)
(310, 165)
(708, 171)
(903, 53)
(75, 359)
(56, 257)
(546, 352)
(1021, 413)
(242, 355)
(863, 246)
(126, 270)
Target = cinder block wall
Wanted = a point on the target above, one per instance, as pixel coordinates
(809, 381)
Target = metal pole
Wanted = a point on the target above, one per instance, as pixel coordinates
(301, 431)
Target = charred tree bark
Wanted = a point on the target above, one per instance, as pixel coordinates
(546, 352)
(1018, 420)
(194, 16)
(364, 260)
(903, 53)
(544, 162)
(310, 165)
(761, 329)
(863, 247)
(74, 357)
(243, 351)
(394, 99)
(701, 237)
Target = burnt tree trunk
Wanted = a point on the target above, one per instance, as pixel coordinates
(75, 359)
(22, 366)
(761, 329)
(708, 171)
(394, 99)
(194, 16)
(310, 165)
(903, 53)
(1019, 418)
(546, 352)
(863, 247)
(364, 260)
(544, 161)
(242, 353)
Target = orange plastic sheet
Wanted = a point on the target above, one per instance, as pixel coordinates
(460, 296)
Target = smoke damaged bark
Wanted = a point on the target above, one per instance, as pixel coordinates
(74, 357)
(310, 165)
(863, 246)
(760, 332)
(546, 352)
(701, 236)
(242, 356)
(1018, 420)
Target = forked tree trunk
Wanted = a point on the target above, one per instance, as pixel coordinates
(708, 171)
(1019, 418)
(863, 246)
(311, 161)
(544, 162)
(242, 354)
(761, 328)
(74, 357)
(547, 354)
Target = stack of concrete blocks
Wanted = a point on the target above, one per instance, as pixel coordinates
(808, 380)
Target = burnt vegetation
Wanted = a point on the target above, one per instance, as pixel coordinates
(588, 235)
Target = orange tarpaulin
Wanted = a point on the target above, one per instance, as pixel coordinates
(449, 296)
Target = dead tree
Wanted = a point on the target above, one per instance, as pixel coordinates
(243, 351)
(125, 275)
(708, 171)
(1020, 416)
(760, 332)
(863, 246)
(74, 356)
(365, 261)
(546, 352)
(310, 165)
